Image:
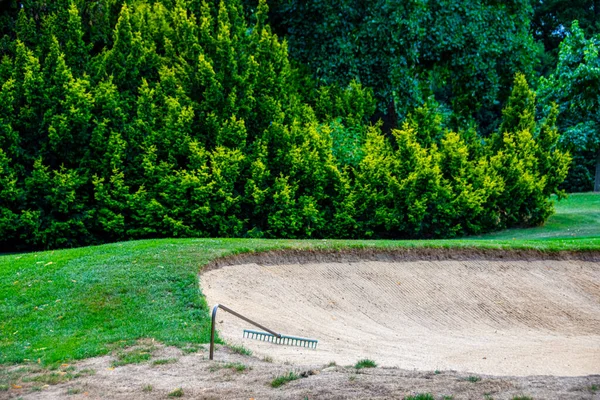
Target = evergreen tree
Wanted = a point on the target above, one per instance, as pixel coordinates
(188, 118)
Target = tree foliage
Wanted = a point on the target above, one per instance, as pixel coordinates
(181, 118)
(552, 20)
(575, 86)
(464, 53)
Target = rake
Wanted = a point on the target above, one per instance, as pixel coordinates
(281, 339)
(268, 336)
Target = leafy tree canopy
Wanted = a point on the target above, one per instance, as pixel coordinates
(575, 86)
(462, 53)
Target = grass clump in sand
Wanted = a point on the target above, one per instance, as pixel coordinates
(473, 378)
(283, 379)
(176, 393)
(164, 361)
(135, 356)
(73, 391)
(420, 396)
(366, 363)
(239, 349)
(237, 367)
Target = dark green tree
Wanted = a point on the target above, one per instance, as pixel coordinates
(575, 86)
(465, 53)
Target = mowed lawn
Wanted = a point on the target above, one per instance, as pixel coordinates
(62, 305)
(577, 217)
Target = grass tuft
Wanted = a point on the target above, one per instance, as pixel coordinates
(283, 379)
(148, 388)
(134, 356)
(164, 361)
(52, 378)
(176, 393)
(473, 378)
(239, 349)
(192, 348)
(238, 367)
(366, 363)
(85, 372)
(522, 398)
(420, 396)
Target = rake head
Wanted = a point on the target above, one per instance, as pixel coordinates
(282, 339)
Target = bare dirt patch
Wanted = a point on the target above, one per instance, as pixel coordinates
(194, 377)
(497, 317)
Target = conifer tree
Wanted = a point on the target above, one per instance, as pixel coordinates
(162, 118)
(76, 51)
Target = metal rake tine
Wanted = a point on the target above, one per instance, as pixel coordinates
(281, 339)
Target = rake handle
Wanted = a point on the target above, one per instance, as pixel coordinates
(240, 316)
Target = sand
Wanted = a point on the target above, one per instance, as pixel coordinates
(495, 317)
(198, 378)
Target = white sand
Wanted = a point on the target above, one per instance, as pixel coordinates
(487, 317)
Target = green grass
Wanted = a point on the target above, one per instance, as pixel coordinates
(73, 391)
(283, 379)
(420, 396)
(176, 393)
(472, 379)
(164, 361)
(237, 367)
(64, 305)
(239, 349)
(576, 218)
(366, 363)
(134, 356)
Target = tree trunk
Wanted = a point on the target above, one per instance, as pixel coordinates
(597, 183)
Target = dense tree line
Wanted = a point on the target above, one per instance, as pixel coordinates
(189, 118)
(461, 54)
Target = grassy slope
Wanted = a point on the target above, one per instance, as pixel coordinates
(71, 304)
(578, 217)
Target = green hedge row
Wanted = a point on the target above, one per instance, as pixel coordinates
(185, 120)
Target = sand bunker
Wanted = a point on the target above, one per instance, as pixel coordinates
(488, 317)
